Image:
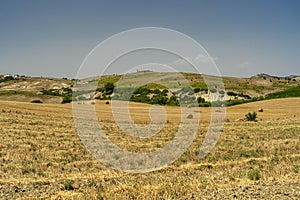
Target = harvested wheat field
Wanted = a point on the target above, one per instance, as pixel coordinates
(42, 157)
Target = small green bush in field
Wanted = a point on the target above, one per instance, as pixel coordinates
(36, 101)
(251, 116)
(68, 185)
(254, 175)
(67, 99)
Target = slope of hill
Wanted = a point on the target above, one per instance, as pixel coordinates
(28, 89)
(52, 90)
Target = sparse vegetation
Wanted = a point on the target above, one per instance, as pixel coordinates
(109, 88)
(290, 92)
(254, 175)
(259, 87)
(67, 99)
(244, 152)
(68, 185)
(7, 78)
(66, 93)
(36, 101)
(251, 116)
(42, 155)
(230, 93)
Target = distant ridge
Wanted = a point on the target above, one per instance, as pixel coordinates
(264, 75)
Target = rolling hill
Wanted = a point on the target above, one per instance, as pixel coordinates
(56, 90)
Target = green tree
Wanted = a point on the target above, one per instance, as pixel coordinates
(67, 99)
(200, 100)
(109, 88)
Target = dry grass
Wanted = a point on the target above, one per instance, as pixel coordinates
(41, 152)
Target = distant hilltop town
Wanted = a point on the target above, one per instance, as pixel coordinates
(17, 76)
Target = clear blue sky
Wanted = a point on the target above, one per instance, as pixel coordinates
(51, 38)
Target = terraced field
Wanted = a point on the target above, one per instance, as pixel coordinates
(42, 157)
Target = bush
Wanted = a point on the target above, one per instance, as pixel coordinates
(159, 99)
(52, 92)
(142, 90)
(165, 92)
(109, 88)
(196, 90)
(156, 91)
(217, 103)
(235, 102)
(68, 185)
(244, 96)
(200, 100)
(206, 104)
(36, 101)
(222, 92)
(100, 90)
(67, 91)
(232, 94)
(140, 98)
(254, 175)
(251, 116)
(173, 101)
(8, 78)
(67, 99)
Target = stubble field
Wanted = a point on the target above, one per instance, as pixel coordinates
(42, 157)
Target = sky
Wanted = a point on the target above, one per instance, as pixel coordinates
(51, 38)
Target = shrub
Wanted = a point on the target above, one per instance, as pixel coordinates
(156, 91)
(231, 94)
(8, 78)
(67, 91)
(254, 175)
(173, 101)
(100, 89)
(165, 92)
(217, 103)
(67, 99)
(244, 96)
(68, 185)
(196, 90)
(222, 92)
(251, 116)
(206, 104)
(159, 99)
(142, 90)
(109, 88)
(36, 101)
(235, 102)
(140, 98)
(200, 100)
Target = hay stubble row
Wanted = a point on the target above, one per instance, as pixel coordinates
(40, 151)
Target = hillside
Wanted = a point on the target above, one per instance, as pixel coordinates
(27, 89)
(43, 157)
(55, 90)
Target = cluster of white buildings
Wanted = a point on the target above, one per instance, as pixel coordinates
(10, 75)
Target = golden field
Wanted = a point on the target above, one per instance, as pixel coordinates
(42, 157)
